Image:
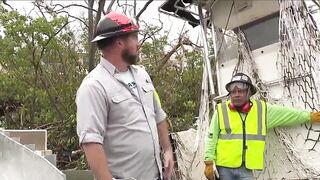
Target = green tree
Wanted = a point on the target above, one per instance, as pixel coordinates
(41, 71)
(177, 75)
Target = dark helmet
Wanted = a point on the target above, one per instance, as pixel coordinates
(114, 24)
(242, 78)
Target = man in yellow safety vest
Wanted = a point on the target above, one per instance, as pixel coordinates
(236, 140)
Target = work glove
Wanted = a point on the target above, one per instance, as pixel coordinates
(210, 170)
(315, 116)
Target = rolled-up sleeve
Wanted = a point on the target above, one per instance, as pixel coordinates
(159, 112)
(91, 113)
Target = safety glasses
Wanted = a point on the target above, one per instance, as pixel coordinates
(239, 85)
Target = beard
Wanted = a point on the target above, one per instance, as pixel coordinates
(129, 58)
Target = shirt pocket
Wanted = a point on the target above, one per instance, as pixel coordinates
(121, 97)
(148, 88)
(147, 96)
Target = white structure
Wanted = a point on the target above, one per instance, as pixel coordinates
(26, 161)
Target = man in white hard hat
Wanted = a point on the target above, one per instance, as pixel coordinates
(236, 141)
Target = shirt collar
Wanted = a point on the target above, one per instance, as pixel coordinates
(112, 69)
(108, 66)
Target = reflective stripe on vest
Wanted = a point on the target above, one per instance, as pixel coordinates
(230, 142)
(157, 97)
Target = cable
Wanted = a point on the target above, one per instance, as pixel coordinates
(225, 28)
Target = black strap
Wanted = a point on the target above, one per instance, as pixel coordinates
(113, 29)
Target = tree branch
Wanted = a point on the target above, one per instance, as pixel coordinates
(166, 58)
(91, 30)
(135, 9)
(45, 126)
(41, 77)
(316, 3)
(110, 6)
(182, 41)
(51, 98)
(51, 37)
(124, 6)
(152, 33)
(5, 3)
(36, 3)
(143, 9)
(74, 17)
(36, 69)
(100, 10)
(93, 47)
(51, 10)
(71, 5)
(90, 18)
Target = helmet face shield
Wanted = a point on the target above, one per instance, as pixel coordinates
(239, 85)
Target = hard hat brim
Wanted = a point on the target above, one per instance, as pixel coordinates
(112, 34)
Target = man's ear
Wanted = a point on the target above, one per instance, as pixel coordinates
(119, 42)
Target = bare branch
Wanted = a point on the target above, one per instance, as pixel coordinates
(101, 9)
(110, 6)
(93, 47)
(118, 2)
(44, 126)
(51, 10)
(74, 17)
(166, 58)
(135, 9)
(152, 33)
(51, 37)
(36, 4)
(90, 36)
(90, 17)
(316, 3)
(5, 3)
(62, 7)
(51, 98)
(81, 20)
(36, 69)
(31, 10)
(124, 6)
(182, 41)
(143, 9)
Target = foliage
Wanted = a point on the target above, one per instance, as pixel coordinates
(178, 83)
(41, 69)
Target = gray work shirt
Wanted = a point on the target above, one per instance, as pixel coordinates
(109, 113)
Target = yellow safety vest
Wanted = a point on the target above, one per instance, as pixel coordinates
(230, 147)
(157, 97)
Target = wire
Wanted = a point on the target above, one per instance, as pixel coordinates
(225, 28)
